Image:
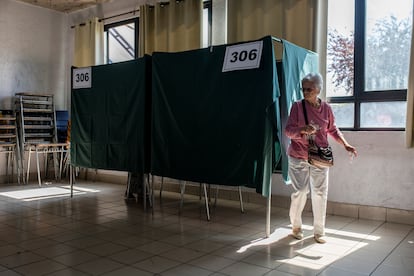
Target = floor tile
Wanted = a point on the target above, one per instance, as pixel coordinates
(231, 252)
(34, 244)
(182, 254)
(128, 271)
(9, 273)
(99, 233)
(10, 249)
(262, 259)
(75, 257)
(332, 271)
(244, 269)
(155, 247)
(212, 262)
(355, 265)
(68, 272)
(20, 259)
(186, 270)
(40, 268)
(385, 270)
(278, 273)
(130, 256)
(204, 245)
(98, 266)
(105, 249)
(156, 264)
(401, 261)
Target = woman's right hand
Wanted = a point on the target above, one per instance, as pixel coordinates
(308, 130)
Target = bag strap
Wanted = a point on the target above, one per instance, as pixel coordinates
(304, 112)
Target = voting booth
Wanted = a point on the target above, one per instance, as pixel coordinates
(213, 115)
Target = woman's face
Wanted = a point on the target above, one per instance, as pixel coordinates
(310, 90)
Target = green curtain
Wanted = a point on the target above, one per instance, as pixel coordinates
(179, 115)
(211, 126)
(111, 120)
(296, 63)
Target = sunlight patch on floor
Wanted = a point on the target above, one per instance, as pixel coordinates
(45, 193)
(277, 235)
(313, 255)
(82, 189)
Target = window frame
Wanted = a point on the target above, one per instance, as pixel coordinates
(360, 95)
(207, 4)
(121, 23)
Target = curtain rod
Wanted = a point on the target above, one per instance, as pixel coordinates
(109, 17)
(276, 39)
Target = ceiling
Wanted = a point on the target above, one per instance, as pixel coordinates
(66, 6)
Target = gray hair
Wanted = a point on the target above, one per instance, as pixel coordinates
(315, 78)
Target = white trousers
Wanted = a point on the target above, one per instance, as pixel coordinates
(304, 177)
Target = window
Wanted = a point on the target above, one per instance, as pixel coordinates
(121, 41)
(367, 62)
(207, 10)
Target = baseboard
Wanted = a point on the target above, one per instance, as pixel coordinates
(250, 196)
(333, 208)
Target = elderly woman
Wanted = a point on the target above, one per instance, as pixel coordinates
(304, 176)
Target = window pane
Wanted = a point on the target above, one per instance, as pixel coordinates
(340, 48)
(105, 45)
(205, 28)
(344, 114)
(387, 44)
(383, 114)
(121, 45)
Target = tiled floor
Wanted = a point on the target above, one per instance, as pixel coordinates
(97, 232)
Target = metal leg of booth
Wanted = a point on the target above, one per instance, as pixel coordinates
(152, 193)
(241, 199)
(144, 193)
(71, 177)
(161, 186)
(206, 199)
(28, 165)
(9, 163)
(202, 186)
(19, 164)
(147, 191)
(182, 191)
(128, 189)
(38, 167)
(216, 196)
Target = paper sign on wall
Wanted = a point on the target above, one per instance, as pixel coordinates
(82, 78)
(243, 56)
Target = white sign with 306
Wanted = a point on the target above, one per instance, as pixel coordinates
(243, 56)
(82, 78)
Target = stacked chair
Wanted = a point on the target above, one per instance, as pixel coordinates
(9, 145)
(36, 117)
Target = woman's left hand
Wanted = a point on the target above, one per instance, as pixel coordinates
(351, 150)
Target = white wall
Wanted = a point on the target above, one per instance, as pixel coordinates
(382, 175)
(33, 55)
(107, 10)
(33, 52)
